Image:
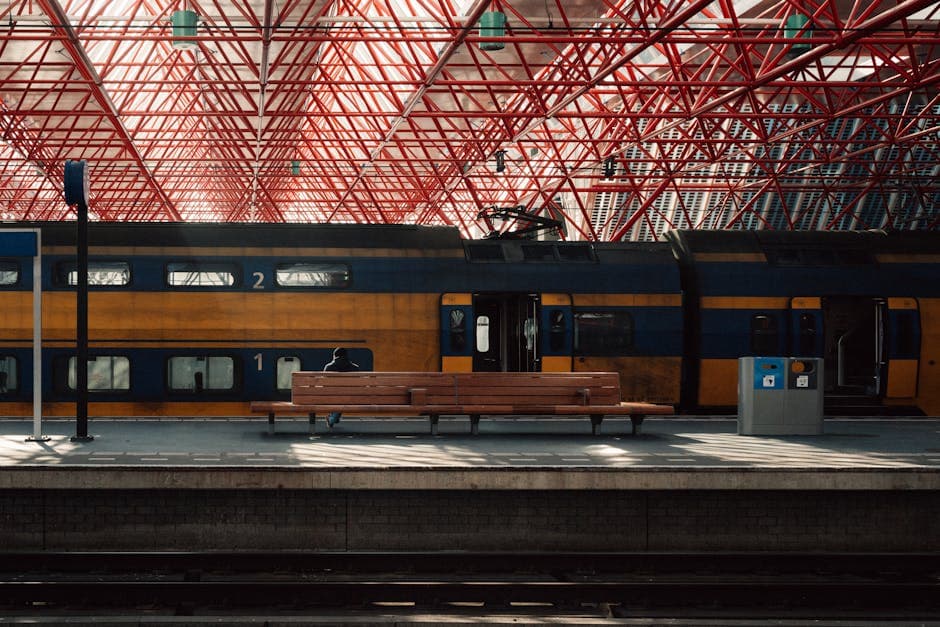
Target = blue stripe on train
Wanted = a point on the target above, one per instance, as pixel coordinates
(412, 275)
(726, 333)
(148, 374)
(759, 279)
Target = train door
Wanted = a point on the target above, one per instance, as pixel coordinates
(854, 345)
(557, 333)
(903, 330)
(457, 341)
(806, 327)
(506, 333)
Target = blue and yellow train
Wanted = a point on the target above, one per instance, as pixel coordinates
(197, 319)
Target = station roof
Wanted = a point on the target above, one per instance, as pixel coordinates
(620, 118)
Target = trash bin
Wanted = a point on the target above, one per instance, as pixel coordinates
(780, 396)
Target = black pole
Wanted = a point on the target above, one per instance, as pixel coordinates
(81, 324)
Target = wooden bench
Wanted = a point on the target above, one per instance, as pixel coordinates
(593, 394)
(370, 393)
(473, 394)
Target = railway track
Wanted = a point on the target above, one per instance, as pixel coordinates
(771, 585)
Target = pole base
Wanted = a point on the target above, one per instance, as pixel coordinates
(38, 438)
(81, 438)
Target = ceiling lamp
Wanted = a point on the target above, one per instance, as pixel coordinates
(500, 161)
(184, 25)
(492, 24)
(610, 167)
(295, 167)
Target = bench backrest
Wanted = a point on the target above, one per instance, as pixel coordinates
(538, 388)
(456, 388)
(373, 388)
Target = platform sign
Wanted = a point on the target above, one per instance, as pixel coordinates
(768, 373)
(27, 243)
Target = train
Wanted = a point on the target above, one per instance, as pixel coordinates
(192, 319)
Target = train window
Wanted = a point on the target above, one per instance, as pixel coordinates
(458, 330)
(8, 374)
(538, 252)
(530, 332)
(905, 336)
(764, 335)
(817, 257)
(201, 274)
(9, 273)
(852, 257)
(575, 252)
(483, 334)
(488, 251)
(99, 273)
(286, 366)
(807, 334)
(602, 332)
(307, 274)
(106, 373)
(784, 257)
(199, 373)
(556, 330)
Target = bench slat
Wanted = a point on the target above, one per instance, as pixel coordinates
(485, 409)
(356, 379)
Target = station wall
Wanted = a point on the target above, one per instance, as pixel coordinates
(469, 520)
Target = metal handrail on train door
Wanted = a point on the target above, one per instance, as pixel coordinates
(840, 350)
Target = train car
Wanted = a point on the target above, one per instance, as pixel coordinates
(866, 302)
(199, 319)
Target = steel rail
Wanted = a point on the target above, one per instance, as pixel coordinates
(459, 561)
(890, 597)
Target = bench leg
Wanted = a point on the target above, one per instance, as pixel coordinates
(313, 423)
(433, 418)
(596, 420)
(271, 422)
(637, 420)
(475, 424)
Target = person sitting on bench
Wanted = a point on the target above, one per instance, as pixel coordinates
(340, 363)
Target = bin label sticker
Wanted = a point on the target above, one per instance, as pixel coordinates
(768, 373)
(802, 381)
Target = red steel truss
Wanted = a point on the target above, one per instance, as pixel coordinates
(621, 118)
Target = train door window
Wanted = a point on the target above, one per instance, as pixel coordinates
(603, 332)
(312, 275)
(9, 381)
(530, 330)
(764, 335)
(106, 373)
(556, 330)
(201, 274)
(904, 340)
(286, 366)
(100, 273)
(807, 339)
(200, 373)
(458, 330)
(9, 273)
(483, 334)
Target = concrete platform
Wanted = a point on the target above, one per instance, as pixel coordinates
(512, 454)
(381, 485)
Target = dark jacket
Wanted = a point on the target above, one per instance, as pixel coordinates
(340, 363)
